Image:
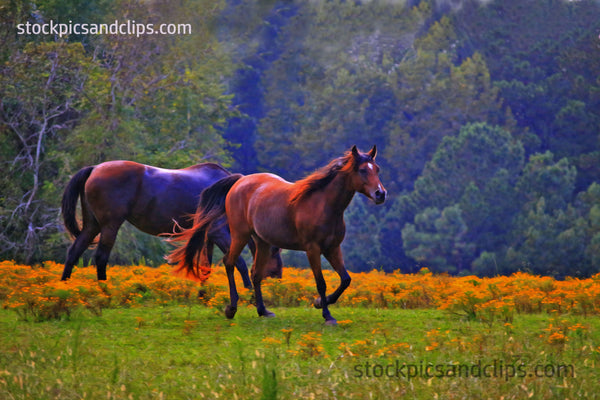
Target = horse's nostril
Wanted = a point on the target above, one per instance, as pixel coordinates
(380, 196)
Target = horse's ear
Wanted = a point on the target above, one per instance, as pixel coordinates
(373, 151)
(355, 152)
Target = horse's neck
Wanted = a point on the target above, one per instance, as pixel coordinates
(341, 195)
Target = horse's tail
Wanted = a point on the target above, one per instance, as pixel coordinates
(73, 192)
(190, 257)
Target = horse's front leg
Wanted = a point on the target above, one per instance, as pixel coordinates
(314, 258)
(336, 260)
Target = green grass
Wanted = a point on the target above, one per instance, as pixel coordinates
(194, 352)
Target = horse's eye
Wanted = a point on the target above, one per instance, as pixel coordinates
(363, 171)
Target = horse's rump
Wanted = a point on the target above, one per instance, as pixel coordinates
(191, 259)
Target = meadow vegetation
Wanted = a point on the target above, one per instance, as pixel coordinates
(145, 334)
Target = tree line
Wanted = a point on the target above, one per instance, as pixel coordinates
(486, 115)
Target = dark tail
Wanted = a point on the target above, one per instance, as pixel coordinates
(190, 255)
(73, 191)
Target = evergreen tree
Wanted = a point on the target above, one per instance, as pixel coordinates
(464, 202)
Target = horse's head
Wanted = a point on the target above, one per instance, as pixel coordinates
(365, 178)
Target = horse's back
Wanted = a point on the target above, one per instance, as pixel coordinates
(259, 191)
(260, 203)
(149, 197)
(114, 180)
(208, 169)
(169, 195)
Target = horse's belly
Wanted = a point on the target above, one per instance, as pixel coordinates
(158, 216)
(274, 226)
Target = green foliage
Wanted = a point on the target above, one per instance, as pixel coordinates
(157, 99)
(437, 239)
(479, 156)
(42, 92)
(437, 97)
(479, 208)
(543, 67)
(362, 248)
(323, 96)
(559, 241)
(153, 101)
(486, 115)
(473, 174)
(542, 177)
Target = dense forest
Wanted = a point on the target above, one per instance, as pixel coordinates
(486, 115)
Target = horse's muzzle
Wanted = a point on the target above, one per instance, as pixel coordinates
(380, 196)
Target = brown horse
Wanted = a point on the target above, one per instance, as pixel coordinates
(152, 199)
(307, 215)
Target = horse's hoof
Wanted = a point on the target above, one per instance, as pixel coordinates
(267, 314)
(230, 311)
(263, 312)
(317, 303)
(331, 322)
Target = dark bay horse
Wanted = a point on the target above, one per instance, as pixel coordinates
(307, 215)
(151, 199)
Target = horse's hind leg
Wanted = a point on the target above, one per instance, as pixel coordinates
(231, 309)
(263, 252)
(235, 249)
(243, 270)
(222, 239)
(108, 234)
(80, 245)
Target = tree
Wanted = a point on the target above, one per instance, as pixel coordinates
(548, 234)
(464, 201)
(559, 241)
(436, 97)
(544, 67)
(41, 93)
(361, 246)
(543, 177)
(162, 100)
(157, 99)
(254, 31)
(437, 240)
(323, 96)
(548, 242)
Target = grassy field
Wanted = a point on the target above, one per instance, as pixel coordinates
(146, 334)
(193, 352)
